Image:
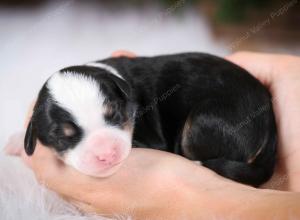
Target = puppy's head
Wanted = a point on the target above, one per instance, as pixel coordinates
(86, 115)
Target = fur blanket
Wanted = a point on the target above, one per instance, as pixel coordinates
(23, 198)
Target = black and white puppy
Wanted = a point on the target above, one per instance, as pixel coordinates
(192, 104)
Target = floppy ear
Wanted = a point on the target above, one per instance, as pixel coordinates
(123, 87)
(30, 139)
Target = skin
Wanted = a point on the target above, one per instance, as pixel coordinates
(153, 184)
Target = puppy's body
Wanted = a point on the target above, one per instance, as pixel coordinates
(192, 104)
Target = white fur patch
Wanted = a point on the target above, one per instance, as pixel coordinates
(80, 95)
(106, 67)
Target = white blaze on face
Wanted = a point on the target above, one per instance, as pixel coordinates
(80, 95)
(103, 147)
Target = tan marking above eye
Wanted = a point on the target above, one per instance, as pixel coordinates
(185, 139)
(109, 110)
(68, 129)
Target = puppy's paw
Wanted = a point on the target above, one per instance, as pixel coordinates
(15, 144)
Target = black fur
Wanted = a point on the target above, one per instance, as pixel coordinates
(196, 105)
(46, 125)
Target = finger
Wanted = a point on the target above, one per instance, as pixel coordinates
(43, 161)
(260, 65)
(125, 53)
(54, 174)
(83, 206)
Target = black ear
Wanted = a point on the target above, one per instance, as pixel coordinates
(30, 139)
(123, 87)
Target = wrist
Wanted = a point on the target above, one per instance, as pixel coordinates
(207, 195)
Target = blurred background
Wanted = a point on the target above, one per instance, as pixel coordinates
(39, 37)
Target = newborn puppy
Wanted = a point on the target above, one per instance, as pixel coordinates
(196, 105)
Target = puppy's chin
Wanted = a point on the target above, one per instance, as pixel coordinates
(100, 173)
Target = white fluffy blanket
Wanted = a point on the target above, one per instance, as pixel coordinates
(22, 198)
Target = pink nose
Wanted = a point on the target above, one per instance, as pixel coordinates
(104, 148)
(108, 158)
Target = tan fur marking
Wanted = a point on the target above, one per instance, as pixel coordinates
(252, 159)
(184, 139)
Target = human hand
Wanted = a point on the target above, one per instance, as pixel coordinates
(145, 186)
(160, 174)
(150, 184)
(281, 74)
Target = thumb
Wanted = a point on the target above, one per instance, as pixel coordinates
(124, 53)
(260, 65)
